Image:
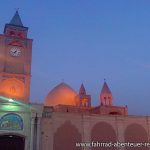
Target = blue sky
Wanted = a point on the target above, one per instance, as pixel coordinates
(86, 41)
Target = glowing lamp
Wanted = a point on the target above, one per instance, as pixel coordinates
(11, 100)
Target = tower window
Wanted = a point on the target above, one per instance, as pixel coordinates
(12, 33)
(20, 34)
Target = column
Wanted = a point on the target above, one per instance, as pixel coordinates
(86, 137)
(38, 142)
(32, 133)
(120, 131)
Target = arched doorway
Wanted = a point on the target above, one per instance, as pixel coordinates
(12, 142)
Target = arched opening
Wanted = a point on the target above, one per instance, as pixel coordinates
(135, 133)
(115, 113)
(66, 137)
(103, 132)
(12, 142)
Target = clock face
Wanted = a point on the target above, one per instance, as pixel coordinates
(15, 51)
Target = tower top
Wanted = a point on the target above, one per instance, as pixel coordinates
(106, 95)
(82, 90)
(82, 99)
(16, 20)
(105, 88)
(15, 27)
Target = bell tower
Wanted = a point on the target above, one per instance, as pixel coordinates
(15, 60)
(106, 95)
(83, 100)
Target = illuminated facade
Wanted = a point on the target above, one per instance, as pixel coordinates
(15, 62)
(66, 118)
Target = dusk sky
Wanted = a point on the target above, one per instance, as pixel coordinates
(85, 41)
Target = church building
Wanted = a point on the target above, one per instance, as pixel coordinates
(66, 120)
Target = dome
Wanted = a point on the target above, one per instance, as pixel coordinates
(61, 94)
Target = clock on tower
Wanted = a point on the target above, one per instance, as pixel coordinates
(15, 60)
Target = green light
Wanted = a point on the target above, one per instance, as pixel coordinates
(10, 108)
(12, 101)
(13, 104)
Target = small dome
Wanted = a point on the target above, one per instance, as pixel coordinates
(61, 94)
